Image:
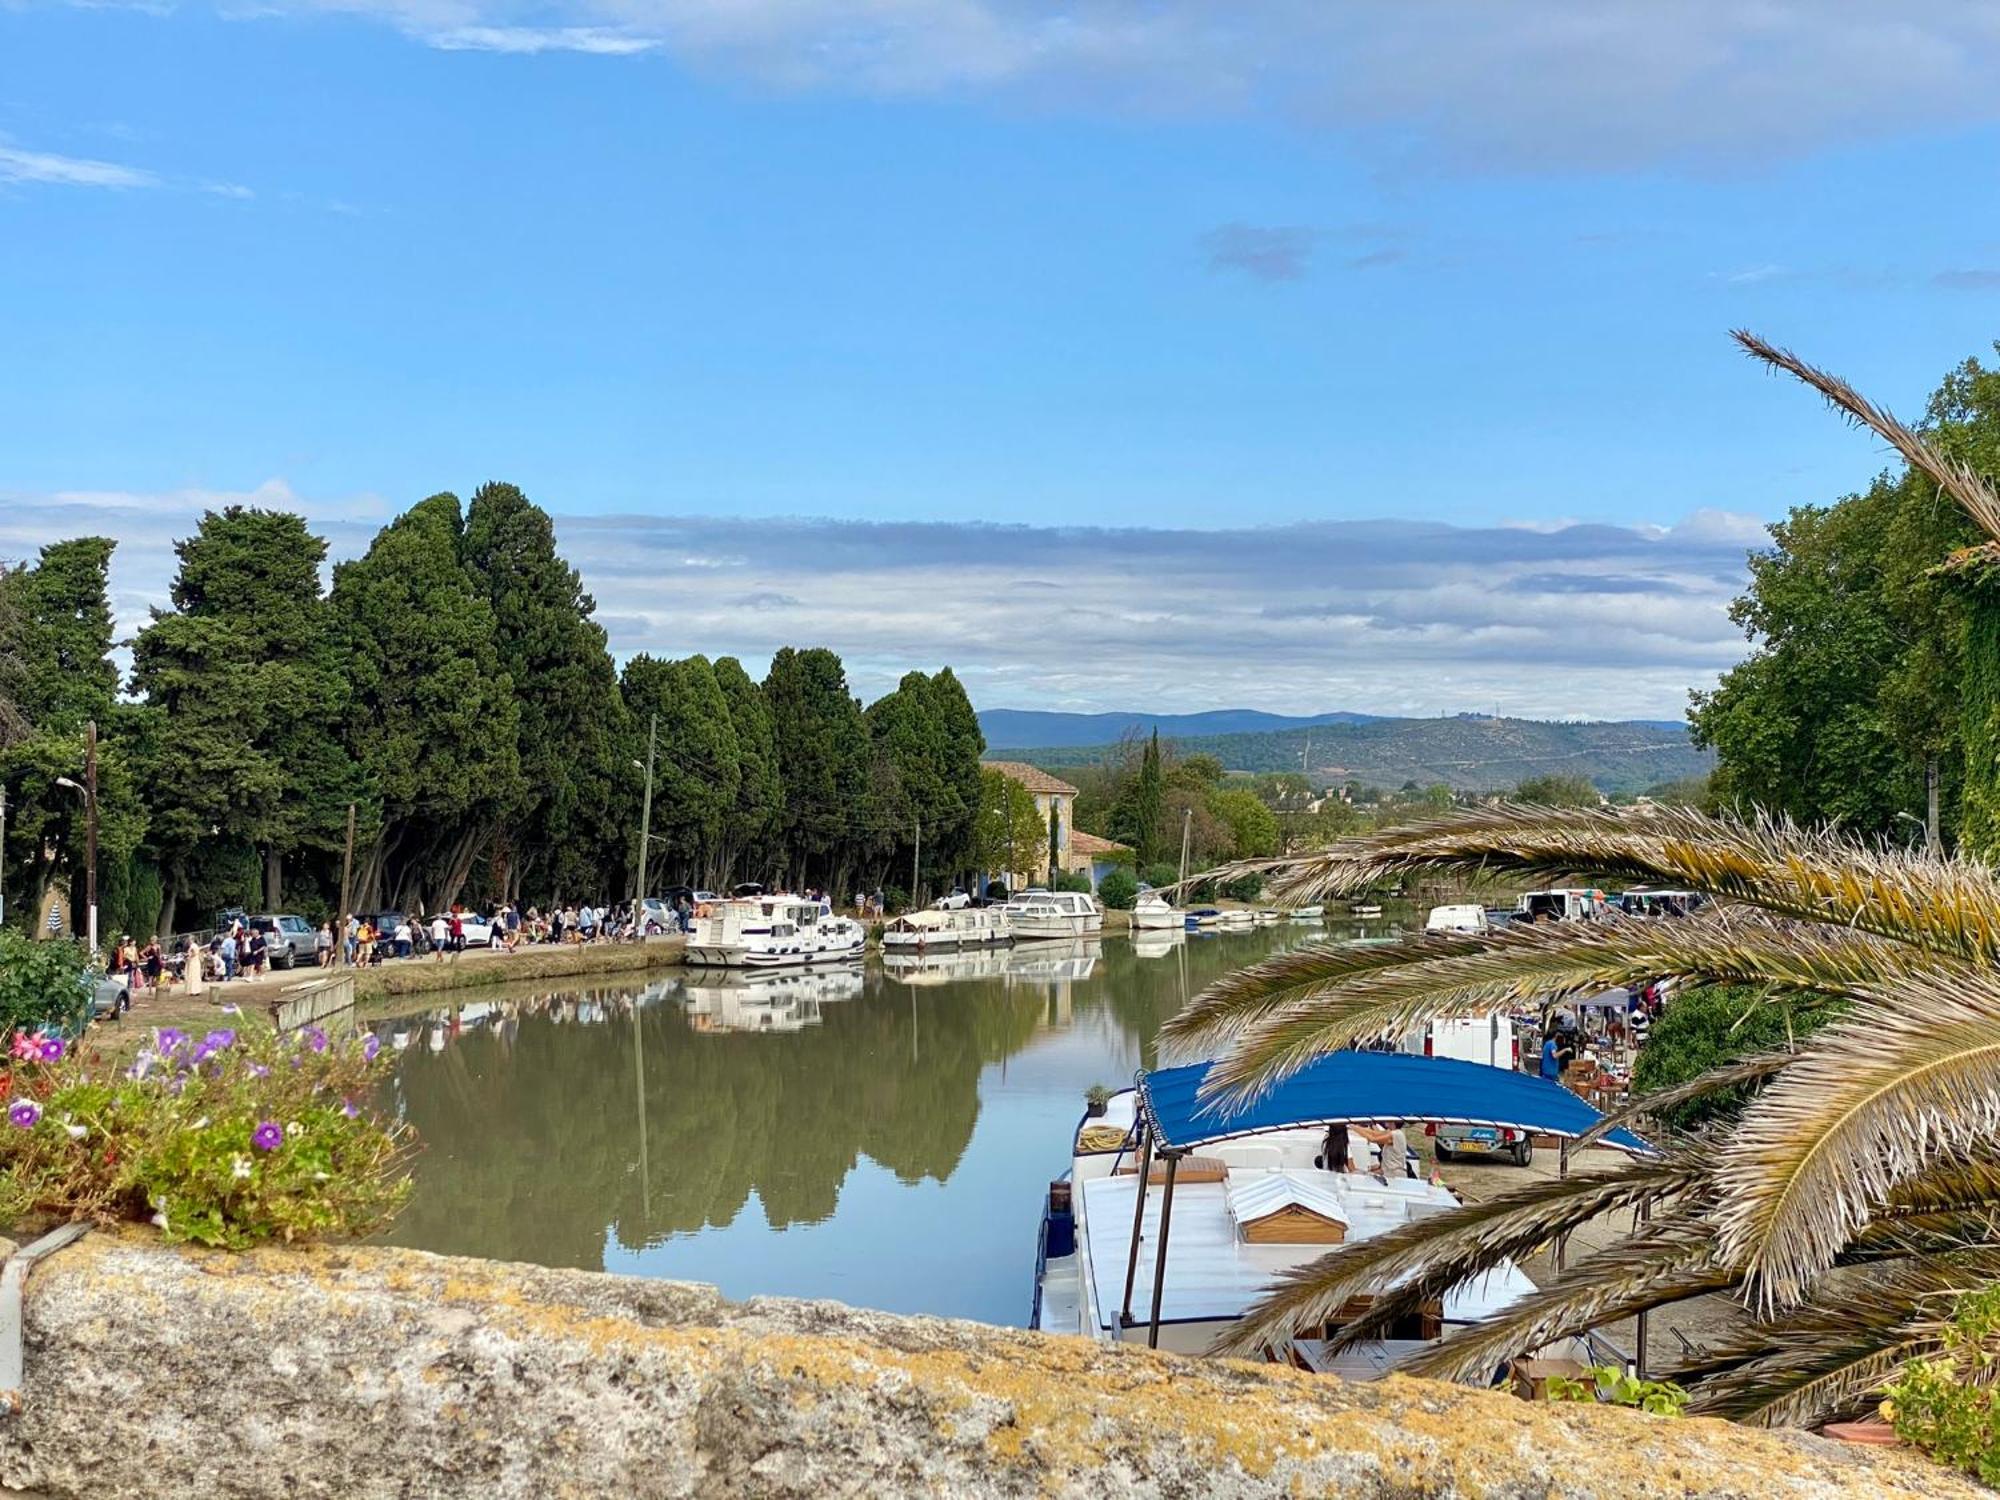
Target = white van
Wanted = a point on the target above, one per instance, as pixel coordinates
(1463, 919)
(1575, 903)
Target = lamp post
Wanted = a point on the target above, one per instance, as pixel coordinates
(88, 791)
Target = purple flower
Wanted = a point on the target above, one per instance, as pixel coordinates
(268, 1136)
(370, 1046)
(167, 1038)
(316, 1039)
(258, 1070)
(202, 1054)
(347, 1108)
(24, 1114)
(52, 1049)
(219, 1040)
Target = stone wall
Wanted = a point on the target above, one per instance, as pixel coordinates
(373, 1372)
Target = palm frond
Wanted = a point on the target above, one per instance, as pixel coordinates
(1965, 485)
(1871, 1102)
(1714, 1081)
(1237, 1000)
(1825, 1360)
(1946, 905)
(1674, 1262)
(1269, 1038)
(1444, 1249)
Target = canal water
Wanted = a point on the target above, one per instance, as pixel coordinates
(881, 1135)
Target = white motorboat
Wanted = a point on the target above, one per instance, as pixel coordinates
(1364, 909)
(1269, 917)
(1225, 1206)
(1053, 914)
(1156, 912)
(1239, 917)
(1308, 913)
(771, 931)
(947, 927)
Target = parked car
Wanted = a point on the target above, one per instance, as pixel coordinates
(956, 901)
(109, 996)
(482, 932)
(386, 923)
(288, 940)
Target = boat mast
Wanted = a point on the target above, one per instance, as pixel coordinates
(1187, 827)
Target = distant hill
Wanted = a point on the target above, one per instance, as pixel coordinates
(1469, 752)
(1018, 728)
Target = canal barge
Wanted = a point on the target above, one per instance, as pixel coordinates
(1179, 1214)
(1037, 915)
(937, 927)
(771, 931)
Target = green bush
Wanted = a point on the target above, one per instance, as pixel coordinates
(44, 984)
(1159, 875)
(1066, 881)
(1119, 889)
(1705, 1027)
(1244, 888)
(1944, 1405)
(895, 898)
(1610, 1386)
(222, 1141)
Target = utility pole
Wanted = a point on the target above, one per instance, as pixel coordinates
(90, 820)
(346, 890)
(645, 828)
(916, 860)
(1187, 831)
(3, 854)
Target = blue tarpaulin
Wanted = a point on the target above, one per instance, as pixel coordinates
(1366, 1087)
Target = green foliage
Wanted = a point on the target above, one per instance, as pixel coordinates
(1119, 889)
(44, 984)
(926, 772)
(823, 747)
(697, 777)
(1244, 888)
(1566, 789)
(1608, 1385)
(1710, 1025)
(1944, 1405)
(1161, 875)
(1070, 880)
(1135, 818)
(1253, 827)
(1097, 1095)
(222, 1142)
(748, 831)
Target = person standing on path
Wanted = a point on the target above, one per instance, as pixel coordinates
(440, 937)
(228, 956)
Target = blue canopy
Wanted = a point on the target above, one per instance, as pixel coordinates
(1361, 1087)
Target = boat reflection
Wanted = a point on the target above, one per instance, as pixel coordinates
(908, 967)
(765, 1000)
(1157, 942)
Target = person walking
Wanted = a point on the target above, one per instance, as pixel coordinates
(405, 938)
(440, 937)
(229, 955)
(457, 932)
(323, 945)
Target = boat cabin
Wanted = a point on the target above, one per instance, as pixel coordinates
(1566, 904)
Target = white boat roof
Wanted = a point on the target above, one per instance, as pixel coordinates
(1257, 1195)
(1213, 1276)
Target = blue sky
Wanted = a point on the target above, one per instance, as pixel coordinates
(1106, 264)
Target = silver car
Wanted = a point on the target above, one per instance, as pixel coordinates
(288, 940)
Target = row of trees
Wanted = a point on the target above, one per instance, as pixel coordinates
(455, 689)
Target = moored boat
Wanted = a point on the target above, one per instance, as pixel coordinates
(1152, 910)
(1037, 915)
(771, 931)
(1308, 913)
(1226, 1200)
(947, 927)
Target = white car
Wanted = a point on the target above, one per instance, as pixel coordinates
(956, 901)
(480, 932)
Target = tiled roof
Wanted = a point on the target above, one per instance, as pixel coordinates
(1034, 778)
(1089, 843)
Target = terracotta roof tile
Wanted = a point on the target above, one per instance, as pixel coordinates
(1089, 843)
(1034, 778)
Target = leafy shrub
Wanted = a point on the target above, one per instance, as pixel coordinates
(1244, 888)
(1119, 889)
(996, 890)
(1610, 1386)
(895, 898)
(1159, 874)
(1944, 1405)
(44, 984)
(1066, 881)
(222, 1141)
(1709, 1025)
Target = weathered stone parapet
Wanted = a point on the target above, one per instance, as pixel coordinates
(373, 1372)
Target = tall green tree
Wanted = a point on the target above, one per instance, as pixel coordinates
(746, 845)
(1009, 829)
(823, 746)
(964, 744)
(1253, 827)
(1136, 816)
(697, 773)
(926, 743)
(433, 719)
(572, 728)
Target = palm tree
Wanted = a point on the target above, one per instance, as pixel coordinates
(1860, 1186)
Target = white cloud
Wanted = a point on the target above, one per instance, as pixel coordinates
(228, 190)
(1386, 616)
(595, 40)
(17, 165)
(1531, 84)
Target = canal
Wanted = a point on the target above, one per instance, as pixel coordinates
(882, 1136)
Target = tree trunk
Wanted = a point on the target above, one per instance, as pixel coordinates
(1932, 840)
(274, 877)
(459, 865)
(170, 897)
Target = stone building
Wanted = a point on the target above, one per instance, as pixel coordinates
(1078, 853)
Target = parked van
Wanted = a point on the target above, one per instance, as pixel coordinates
(1566, 904)
(1463, 919)
(1493, 1041)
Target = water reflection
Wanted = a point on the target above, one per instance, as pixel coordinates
(894, 1126)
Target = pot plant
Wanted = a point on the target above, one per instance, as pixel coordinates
(1095, 1098)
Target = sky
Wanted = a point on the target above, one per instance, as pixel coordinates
(1123, 354)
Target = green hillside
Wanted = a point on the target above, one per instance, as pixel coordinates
(1468, 752)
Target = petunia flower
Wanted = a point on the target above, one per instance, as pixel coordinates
(24, 1114)
(52, 1049)
(370, 1046)
(239, 1167)
(347, 1107)
(27, 1047)
(258, 1070)
(316, 1039)
(219, 1039)
(268, 1136)
(167, 1038)
(232, 1010)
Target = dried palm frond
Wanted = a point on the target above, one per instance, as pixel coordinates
(1674, 1262)
(1446, 1248)
(1268, 1041)
(1948, 905)
(1238, 999)
(1969, 488)
(1872, 1101)
(1826, 1360)
(1714, 1081)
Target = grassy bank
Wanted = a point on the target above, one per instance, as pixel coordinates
(526, 965)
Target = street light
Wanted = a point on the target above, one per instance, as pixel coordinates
(88, 791)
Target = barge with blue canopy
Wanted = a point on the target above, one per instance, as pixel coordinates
(1181, 1211)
